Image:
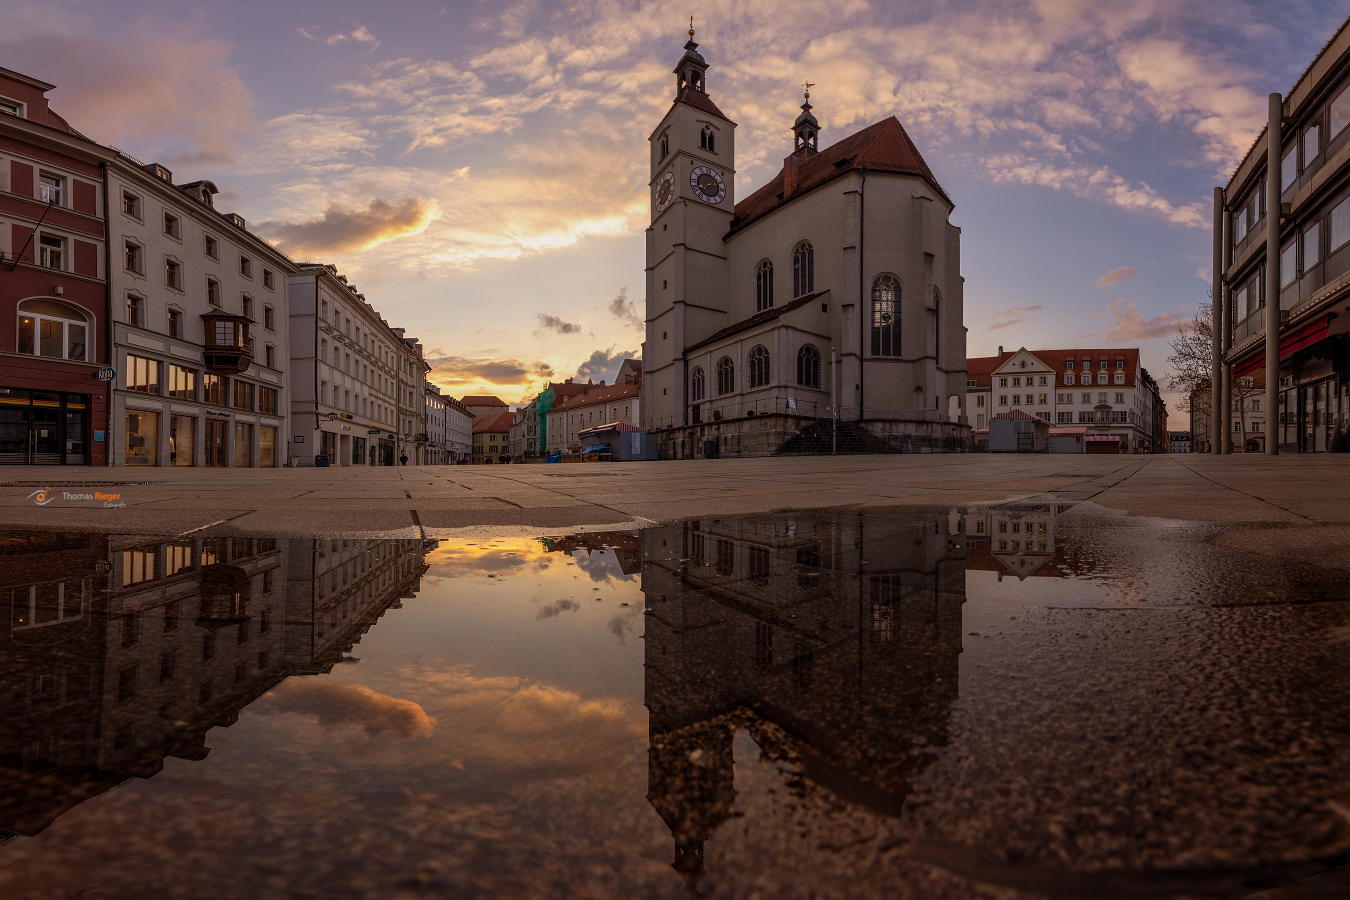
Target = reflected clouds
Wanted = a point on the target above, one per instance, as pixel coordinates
(336, 705)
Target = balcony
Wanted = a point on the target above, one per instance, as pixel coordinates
(227, 345)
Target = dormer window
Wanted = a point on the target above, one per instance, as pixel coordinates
(707, 139)
(665, 145)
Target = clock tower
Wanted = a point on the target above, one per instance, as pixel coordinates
(693, 202)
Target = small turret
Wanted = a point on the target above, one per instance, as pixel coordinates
(806, 129)
(690, 70)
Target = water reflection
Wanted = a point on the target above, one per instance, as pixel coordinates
(124, 651)
(833, 640)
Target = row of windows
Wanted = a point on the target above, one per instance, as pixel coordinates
(145, 376)
(1088, 417)
(1305, 249)
(759, 373)
(1069, 378)
(803, 276)
(1059, 398)
(173, 228)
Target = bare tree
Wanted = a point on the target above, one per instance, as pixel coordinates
(1190, 367)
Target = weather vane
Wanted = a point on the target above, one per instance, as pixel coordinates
(808, 86)
(691, 26)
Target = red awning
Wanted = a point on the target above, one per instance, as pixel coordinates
(1290, 344)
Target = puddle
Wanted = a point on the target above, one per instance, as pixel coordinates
(1027, 700)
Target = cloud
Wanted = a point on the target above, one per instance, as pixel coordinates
(1013, 315)
(338, 705)
(556, 608)
(603, 364)
(466, 370)
(456, 560)
(1130, 325)
(1092, 182)
(346, 230)
(360, 35)
(625, 311)
(1116, 276)
(553, 323)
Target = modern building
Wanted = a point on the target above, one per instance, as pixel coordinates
(491, 438)
(200, 321)
(1283, 307)
(53, 290)
(458, 430)
(835, 285)
(596, 405)
(1106, 392)
(356, 383)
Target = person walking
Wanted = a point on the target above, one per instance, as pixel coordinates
(403, 459)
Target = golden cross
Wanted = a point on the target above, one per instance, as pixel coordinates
(808, 86)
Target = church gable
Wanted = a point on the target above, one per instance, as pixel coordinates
(1022, 361)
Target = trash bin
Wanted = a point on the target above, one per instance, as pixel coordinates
(321, 461)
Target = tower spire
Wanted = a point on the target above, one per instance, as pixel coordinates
(690, 70)
(806, 130)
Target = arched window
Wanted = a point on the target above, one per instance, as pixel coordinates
(696, 386)
(937, 309)
(707, 139)
(665, 144)
(808, 366)
(54, 329)
(803, 270)
(757, 365)
(726, 376)
(763, 286)
(886, 316)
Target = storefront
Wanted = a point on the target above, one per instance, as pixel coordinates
(1315, 399)
(44, 428)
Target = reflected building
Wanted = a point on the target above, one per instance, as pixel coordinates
(125, 650)
(1020, 539)
(833, 638)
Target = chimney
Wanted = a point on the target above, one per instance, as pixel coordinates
(1000, 349)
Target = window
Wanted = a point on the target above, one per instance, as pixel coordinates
(213, 292)
(1084, 417)
(51, 188)
(1002, 399)
(134, 310)
(173, 275)
(1068, 364)
(267, 278)
(172, 226)
(1017, 382)
(696, 386)
(175, 323)
(269, 318)
(135, 258)
(1044, 400)
(1311, 144)
(243, 394)
(1120, 364)
(1289, 168)
(1064, 418)
(808, 366)
(51, 251)
(1312, 245)
(1101, 378)
(142, 374)
(886, 316)
(323, 310)
(213, 389)
(271, 358)
(1120, 378)
(131, 204)
(212, 247)
(1103, 365)
(803, 270)
(979, 401)
(757, 366)
(53, 329)
(1041, 382)
(665, 144)
(126, 683)
(1120, 398)
(707, 139)
(726, 376)
(763, 286)
(1087, 398)
(245, 267)
(248, 306)
(1017, 399)
(182, 382)
(1288, 261)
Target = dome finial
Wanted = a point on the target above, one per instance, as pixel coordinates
(691, 27)
(808, 86)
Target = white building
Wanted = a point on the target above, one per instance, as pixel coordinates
(458, 430)
(357, 384)
(200, 319)
(438, 448)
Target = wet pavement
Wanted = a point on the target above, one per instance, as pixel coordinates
(1044, 698)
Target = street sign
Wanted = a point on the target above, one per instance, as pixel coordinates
(373, 431)
(107, 374)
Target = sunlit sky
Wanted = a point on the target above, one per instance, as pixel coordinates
(479, 170)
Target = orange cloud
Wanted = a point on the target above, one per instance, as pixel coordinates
(1116, 276)
(341, 230)
(1130, 325)
(336, 705)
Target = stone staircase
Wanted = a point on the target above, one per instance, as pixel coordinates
(814, 440)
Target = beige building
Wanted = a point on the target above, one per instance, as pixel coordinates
(597, 405)
(491, 438)
(834, 288)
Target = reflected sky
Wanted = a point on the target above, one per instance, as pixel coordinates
(820, 704)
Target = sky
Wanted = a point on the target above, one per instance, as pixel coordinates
(479, 169)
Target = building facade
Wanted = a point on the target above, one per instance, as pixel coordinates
(836, 287)
(1281, 309)
(200, 319)
(491, 438)
(458, 430)
(596, 405)
(53, 292)
(1107, 392)
(482, 406)
(438, 447)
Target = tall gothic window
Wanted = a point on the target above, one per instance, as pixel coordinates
(937, 319)
(726, 376)
(803, 270)
(763, 286)
(696, 386)
(886, 316)
(757, 364)
(665, 145)
(808, 366)
(707, 139)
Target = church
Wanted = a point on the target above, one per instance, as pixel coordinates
(833, 292)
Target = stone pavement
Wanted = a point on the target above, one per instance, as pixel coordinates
(1282, 498)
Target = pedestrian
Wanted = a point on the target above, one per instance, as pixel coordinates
(403, 459)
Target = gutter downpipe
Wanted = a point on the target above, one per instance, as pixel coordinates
(1219, 298)
(318, 426)
(107, 321)
(1274, 211)
(862, 296)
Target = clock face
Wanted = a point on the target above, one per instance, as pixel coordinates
(665, 191)
(708, 185)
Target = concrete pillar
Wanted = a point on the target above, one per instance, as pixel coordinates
(1219, 299)
(1273, 217)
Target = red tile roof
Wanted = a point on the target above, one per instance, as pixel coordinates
(482, 400)
(600, 394)
(981, 368)
(881, 147)
(700, 101)
(1021, 414)
(758, 318)
(499, 423)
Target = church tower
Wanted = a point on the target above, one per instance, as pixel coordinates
(693, 202)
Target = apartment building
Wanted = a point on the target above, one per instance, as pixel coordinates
(200, 319)
(1106, 391)
(1283, 320)
(357, 384)
(54, 326)
(523, 439)
(596, 405)
(438, 440)
(458, 430)
(491, 438)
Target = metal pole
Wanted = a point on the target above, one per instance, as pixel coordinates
(834, 403)
(1219, 298)
(1273, 223)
